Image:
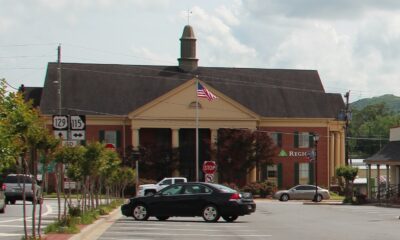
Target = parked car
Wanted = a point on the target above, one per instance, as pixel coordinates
(302, 192)
(2, 201)
(150, 189)
(13, 185)
(211, 201)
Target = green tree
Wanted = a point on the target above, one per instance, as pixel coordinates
(369, 129)
(242, 149)
(348, 173)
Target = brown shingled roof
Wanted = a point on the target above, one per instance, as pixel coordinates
(119, 89)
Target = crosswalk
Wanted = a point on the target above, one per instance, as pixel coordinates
(180, 228)
(12, 222)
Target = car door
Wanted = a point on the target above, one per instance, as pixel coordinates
(298, 192)
(166, 202)
(309, 192)
(193, 199)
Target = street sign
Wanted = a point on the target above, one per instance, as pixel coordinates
(209, 167)
(78, 122)
(61, 134)
(78, 135)
(60, 122)
(69, 143)
(209, 178)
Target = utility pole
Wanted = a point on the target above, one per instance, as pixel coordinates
(347, 118)
(59, 78)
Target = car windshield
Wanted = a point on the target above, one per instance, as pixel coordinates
(18, 179)
(223, 188)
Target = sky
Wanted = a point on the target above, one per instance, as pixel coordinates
(354, 45)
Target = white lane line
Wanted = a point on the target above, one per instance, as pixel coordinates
(190, 234)
(10, 234)
(179, 229)
(222, 225)
(49, 210)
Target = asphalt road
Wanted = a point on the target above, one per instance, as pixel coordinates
(11, 222)
(272, 220)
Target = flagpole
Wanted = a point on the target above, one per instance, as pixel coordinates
(197, 131)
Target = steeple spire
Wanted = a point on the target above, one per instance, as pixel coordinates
(188, 60)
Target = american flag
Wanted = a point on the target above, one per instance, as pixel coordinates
(204, 93)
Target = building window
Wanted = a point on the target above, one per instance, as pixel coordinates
(303, 140)
(304, 173)
(110, 137)
(270, 173)
(276, 138)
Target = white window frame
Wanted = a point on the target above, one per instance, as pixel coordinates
(304, 140)
(110, 136)
(304, 173)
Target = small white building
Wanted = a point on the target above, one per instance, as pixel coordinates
(389, 157)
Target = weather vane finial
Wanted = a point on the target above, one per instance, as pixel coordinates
(188, 15)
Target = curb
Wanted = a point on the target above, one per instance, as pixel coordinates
(96, 229)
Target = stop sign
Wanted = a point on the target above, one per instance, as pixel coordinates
(209, 167)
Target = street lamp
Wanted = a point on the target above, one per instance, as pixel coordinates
(316, 138)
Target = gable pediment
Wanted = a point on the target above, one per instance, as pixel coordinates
(180, 103)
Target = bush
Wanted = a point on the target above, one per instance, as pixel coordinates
(74, 211)
(260, 188)
(231, 185)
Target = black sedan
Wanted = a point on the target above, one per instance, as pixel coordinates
(211, 201)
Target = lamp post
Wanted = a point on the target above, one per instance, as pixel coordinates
(316, 138)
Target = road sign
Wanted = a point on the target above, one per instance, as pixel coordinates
(210, 178)
(60, 122)
(69, 143)
(209, 167)
(78, 122)
(61, 134)
(78, 135)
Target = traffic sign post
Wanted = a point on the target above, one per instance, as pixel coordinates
(209, 178)
(69, 127)
(209, 167)
(60, 122)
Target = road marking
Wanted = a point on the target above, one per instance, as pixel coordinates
(191, 234)
(10, 234)
(49, 210)
(179, 229)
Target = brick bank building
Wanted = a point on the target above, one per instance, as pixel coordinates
(139, 105)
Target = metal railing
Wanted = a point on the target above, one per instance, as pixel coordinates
(385, 194)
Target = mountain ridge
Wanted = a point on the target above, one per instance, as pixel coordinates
(391, 101)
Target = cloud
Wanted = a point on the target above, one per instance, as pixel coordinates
(317, 9)
(216, 42)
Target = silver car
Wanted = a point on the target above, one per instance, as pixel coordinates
(13, 185)
(2, 201)
(302, 192)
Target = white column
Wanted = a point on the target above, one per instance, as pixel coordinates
(135, 138)
(214, 139)
(342, 149)
(331, 156)
(337, 150)
(175, 144)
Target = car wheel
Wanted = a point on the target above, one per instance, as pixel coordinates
(210, 213)
(13, 201)
(3, 209)
(229, 218)
(319, 198)
(284, 197)
(140, 212)
(162, 218)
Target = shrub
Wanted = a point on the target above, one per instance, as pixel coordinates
(260, 188)
(74, 211)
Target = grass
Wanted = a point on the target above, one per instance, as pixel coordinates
(69, 224)
(335, 196)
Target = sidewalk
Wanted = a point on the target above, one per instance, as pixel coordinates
(91, 231)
